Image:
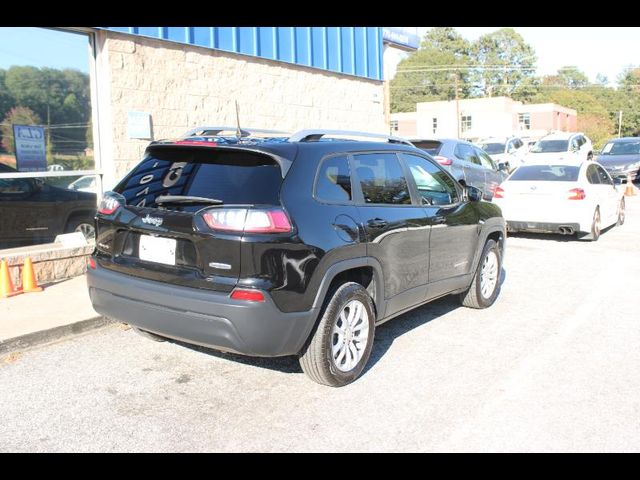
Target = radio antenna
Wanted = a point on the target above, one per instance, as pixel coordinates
(238, 130)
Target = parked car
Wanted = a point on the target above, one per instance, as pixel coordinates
(467, 162)
(32, 211)
(86, 183)
(561, 198)
(621, 157)
(290, 246)
(561, 148)
(509, 151)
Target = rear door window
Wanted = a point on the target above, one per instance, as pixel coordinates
(467, 153)
(234, 177)
(592, 175)
(603, 176)
(333, 183)
(381, 179)
(485, 160)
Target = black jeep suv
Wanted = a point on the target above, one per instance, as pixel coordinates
(297, 245)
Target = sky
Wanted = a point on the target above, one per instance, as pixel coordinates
(606, 50)
(593, 50)
(42, 47)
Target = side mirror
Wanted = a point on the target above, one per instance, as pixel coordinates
(503, 167)
(473, 194)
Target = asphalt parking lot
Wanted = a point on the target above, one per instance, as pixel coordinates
(554, 365)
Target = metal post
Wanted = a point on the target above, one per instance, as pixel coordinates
(457, 108)
(619, 123)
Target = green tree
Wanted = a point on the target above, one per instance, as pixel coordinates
(19, 116)
(629, 87)
(504, 61)
(429, 73)
(602, 80)
(572, 77)
(61, 98)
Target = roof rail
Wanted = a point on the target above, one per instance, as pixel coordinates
(315, 135)
(215, 131)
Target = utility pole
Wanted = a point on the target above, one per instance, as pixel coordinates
(457, 108)
(619, 123)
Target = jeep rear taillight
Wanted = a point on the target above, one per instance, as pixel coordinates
(108, 205)
(247, 220)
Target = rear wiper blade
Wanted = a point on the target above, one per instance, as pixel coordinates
(186, 199)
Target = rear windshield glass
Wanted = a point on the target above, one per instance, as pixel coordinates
(230, 176)
(544, 146)
(621, 148)
(546, 173)
(432, 147)
(492, 148)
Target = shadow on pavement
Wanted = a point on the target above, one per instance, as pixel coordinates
(384, 336)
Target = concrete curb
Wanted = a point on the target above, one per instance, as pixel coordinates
(47, 336)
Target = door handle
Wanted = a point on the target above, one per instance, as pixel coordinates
(377, 223)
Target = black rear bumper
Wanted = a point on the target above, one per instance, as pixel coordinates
(200, 317)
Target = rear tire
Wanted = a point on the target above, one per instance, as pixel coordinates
(149, 335)
(594, 234)
(339, 348)
(621, 213)
(486, 282)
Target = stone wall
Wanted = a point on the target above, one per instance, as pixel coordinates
(183, 86)
(51, 262)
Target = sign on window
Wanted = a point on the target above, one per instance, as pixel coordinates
(31, 152)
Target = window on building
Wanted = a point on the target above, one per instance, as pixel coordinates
(394, 125)
(45, 130)
(435, 124)
(524, 119)
(465, 123)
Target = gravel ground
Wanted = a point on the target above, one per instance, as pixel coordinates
(554, 365)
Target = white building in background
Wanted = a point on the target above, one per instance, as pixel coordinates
(483, 117)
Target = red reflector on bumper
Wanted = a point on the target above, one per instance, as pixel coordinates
(249, 295)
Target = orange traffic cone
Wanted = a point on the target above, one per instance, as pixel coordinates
(6, 285)
(29, 283)
(630, 191)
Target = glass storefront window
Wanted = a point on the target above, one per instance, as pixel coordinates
(49, 180)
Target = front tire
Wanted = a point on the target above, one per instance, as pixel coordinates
(340, 347)
(83, 225)
(486, 282)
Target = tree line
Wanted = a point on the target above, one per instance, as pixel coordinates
(501, 63)
(56, 99)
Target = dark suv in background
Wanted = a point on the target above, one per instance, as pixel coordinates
(32, 211)
(467, 162)
(290, 245)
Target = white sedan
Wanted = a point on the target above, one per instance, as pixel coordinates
(568, 199)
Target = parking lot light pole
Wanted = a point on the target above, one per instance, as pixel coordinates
(619, 123)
